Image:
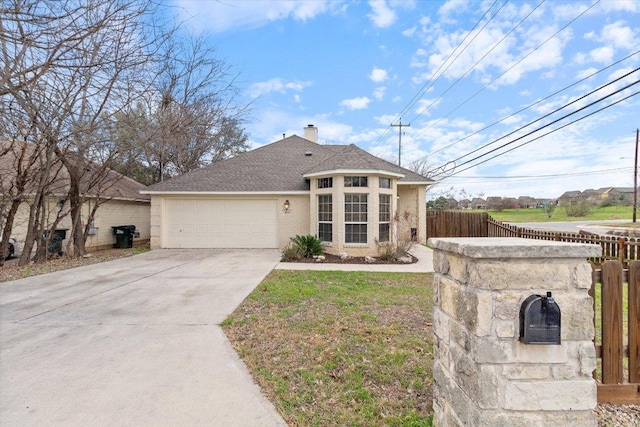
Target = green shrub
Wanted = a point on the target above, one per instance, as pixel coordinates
(290, 253)
(549, 208)
(606, 203)
(307, 246)
(386, 251)
(579, 210)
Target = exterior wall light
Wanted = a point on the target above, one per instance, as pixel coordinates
(287, 205)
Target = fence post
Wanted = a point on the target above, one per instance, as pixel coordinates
(621, 249)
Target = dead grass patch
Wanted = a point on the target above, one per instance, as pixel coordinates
(340, 348)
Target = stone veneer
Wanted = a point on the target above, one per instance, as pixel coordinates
(483, 374)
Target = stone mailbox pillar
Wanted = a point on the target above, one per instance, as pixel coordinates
(483, 374)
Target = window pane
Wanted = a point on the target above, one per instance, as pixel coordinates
(325, 232)
(355, 181)
(383, 232)
(355, 208)
(325, 216)
(385, 208)
(325, 182)
(325, 207)
(355, 233)
(385, 183)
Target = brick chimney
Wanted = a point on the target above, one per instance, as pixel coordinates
(311, 133)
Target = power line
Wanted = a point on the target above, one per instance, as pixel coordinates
(544, 176)
(550, 132)
(474, 65)
(522, 109)
(505, 72)
(549, 114)
(431, 80)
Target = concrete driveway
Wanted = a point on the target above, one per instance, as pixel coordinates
(131, 342)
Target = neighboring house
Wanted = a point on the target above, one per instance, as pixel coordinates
(494, 202)
(262, 198)
(592, 197)
(478, 203)
(617, 195)
(526, 202)
(464, 204)
(120, 204)
(570, 198)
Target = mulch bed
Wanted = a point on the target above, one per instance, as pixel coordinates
(335, 259)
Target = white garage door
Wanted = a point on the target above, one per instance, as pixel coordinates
(228, 223)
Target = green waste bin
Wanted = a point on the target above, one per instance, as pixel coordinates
(124, 236)
(55, 241)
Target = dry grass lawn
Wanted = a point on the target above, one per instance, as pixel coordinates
(340, 348)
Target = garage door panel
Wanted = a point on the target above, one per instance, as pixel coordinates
(222, 223)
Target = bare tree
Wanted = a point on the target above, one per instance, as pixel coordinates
(190, 118)
(75, 65)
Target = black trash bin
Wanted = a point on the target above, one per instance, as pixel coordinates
(124, 236)
(55, 241)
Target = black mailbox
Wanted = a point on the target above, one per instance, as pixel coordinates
(540, 320)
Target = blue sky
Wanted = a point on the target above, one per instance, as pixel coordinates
(462, 73)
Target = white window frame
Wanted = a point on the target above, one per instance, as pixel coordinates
(359, 216)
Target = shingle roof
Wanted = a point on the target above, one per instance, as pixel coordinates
(278, 167)
(110, 185)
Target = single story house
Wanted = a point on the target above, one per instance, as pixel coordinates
(294, 186)
(119, 196)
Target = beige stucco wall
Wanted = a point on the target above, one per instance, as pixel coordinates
(156, 221)
(117, 212)
(296, 221)
(412, 212)
(113, 212)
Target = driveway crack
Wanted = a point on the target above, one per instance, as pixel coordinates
(101, 292)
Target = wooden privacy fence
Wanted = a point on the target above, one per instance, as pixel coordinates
(618, 347)
(480, 224)
(457, 224)
(623, 249)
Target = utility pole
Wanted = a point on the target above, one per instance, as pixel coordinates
(400, 126)
(635, 179)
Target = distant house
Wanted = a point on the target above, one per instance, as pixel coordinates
(570, 198)
(464, 204)
(478, 203)
(592, 197)
(618, 195)
(494, 202)
(294, 186)
(119, 198)
(526, 202)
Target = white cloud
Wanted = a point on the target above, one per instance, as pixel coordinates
(586, 72)
(361, 103)
(381, 15)
(620, 5)
(378, 75)
(220, 16)
(602, 54)
(276, 85)
(379, 92)
(619, 35)
(452, 6)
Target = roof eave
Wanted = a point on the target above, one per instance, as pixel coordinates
(353, 171)
(221, 193)
(415, 182)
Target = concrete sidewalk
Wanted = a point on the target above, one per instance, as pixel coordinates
(424, 264)
(131, 342)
